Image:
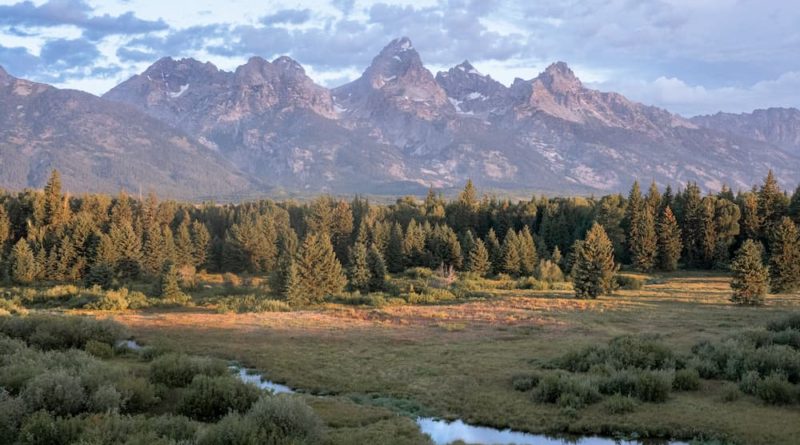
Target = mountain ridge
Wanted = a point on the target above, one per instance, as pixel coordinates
(399, 128)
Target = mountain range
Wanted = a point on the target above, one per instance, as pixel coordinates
(187, 129)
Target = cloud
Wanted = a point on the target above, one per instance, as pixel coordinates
(690, 100)
(291, 16)
(76, 13)
(18, 61)
(66, 53)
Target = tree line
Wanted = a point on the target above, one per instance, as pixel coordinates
(320, 247)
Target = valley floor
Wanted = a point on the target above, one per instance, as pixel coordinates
(457, 360)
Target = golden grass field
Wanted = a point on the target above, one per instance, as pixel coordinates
(457, 360)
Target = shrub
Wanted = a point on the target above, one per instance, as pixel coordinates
(12, 413)
(730, 392)
(653, 386)
(41, 428)
(9, 307)
(531, 283)
(787, 322)
(55, 391)
(525, 382)
(106, 399)
(111, 300)
(619, 404)
(432, 296)
(138, 395)
(98, 349)
(775, 389)
(271, 421)
(620, 382)
(210, 398)
(251, 303)
(749, 382)
(686, 380)
(629, 282)
(231, 280)
(566, 390)
(549, 272)
(419, 273)
(178, 370)
(61, 332)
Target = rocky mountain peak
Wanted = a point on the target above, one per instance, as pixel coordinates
(558, 77)
(3, 73)
(288, 65)
(470, 92)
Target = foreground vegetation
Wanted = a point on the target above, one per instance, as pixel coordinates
(63, 381)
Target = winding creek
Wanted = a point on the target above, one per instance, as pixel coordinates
(444, 432)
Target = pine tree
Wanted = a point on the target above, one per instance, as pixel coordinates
(634, 208)
(184, 248)
(169, 289)
(358, 271)
(318, 271)
(644, 241)
(153, 254)
(751, 221)
(785, 257)
(692, 226)
(127, 248)
(527, 252)
(594, 269)
(669, 241)
(100, 274)
(495, 251)
(54, 207)
(772, 205)
(511, 257)
(478, 262)
(709, 234)
(284, 277)
(750, 276)
(200, 243)
(5, 231)
(555, 257)
(24, 268)
(611, 212)
(377, 269)
(653, 199)
(794, 206)
(395, 258)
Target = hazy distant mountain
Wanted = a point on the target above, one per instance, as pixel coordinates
(777, 126)
(102, 146)
(399, 129)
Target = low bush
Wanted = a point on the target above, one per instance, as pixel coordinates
(56, 391)
(61, 332)
(549, 272)
(531, 283)
(629, 282)
(431, 296)
(620, 382)
(525, 382)
(271, 421)
(418, 273)
(730, 392)
(250, 303)
(686, 380)
(107, 399)
(566, 390)
(138, 394)
(653, 386)
(210, 398)
(775, 389)
(178, 370)
(619, 404)
(12, 413)
(99, 349)
(788, 322)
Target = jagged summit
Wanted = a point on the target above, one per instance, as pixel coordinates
(560, 78)
(397, 126)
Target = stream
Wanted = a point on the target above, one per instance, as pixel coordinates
(444, 432)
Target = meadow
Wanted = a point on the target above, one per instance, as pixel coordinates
(459, 358)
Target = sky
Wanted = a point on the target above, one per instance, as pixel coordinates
(688, 56)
